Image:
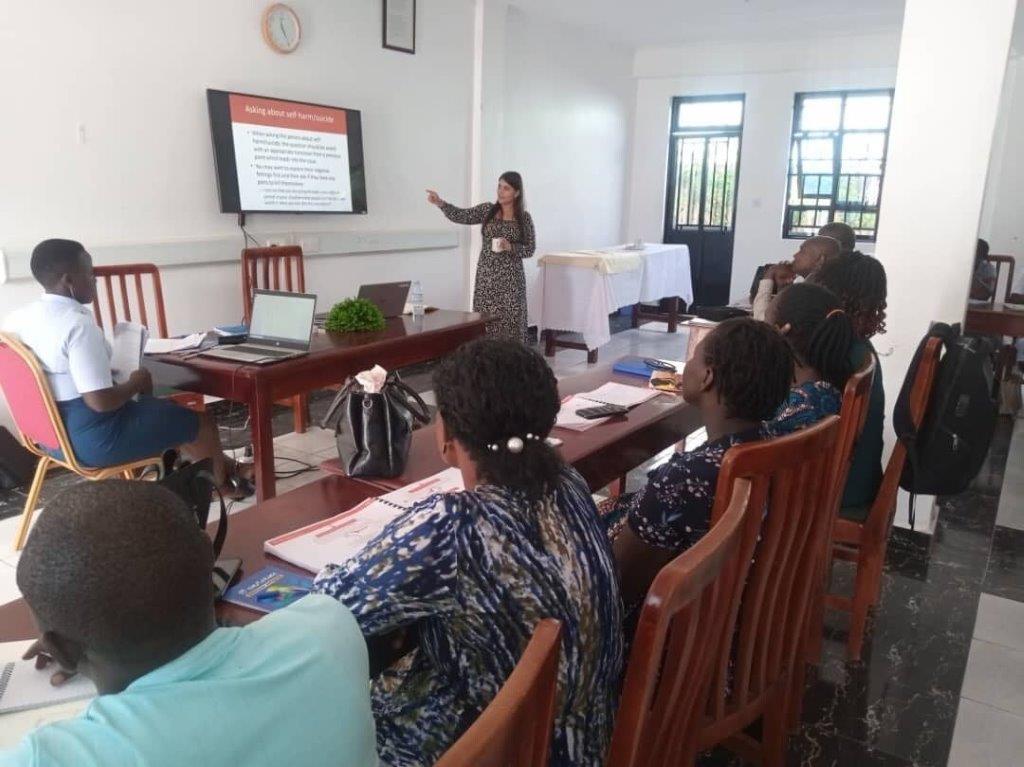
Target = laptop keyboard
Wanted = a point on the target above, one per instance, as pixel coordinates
(261, 351)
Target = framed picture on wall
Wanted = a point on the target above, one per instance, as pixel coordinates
(400, 25)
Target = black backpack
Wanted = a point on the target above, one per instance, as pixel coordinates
(947, 452)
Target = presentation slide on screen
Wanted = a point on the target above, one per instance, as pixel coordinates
(290, 156)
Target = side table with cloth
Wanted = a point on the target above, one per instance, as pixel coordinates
(579, 289)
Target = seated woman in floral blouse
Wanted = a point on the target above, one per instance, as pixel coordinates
(739, 375)
(821, 336)
(476, 570)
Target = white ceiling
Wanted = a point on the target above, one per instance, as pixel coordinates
(639, 23)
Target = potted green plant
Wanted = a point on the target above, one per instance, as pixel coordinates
(354, 315)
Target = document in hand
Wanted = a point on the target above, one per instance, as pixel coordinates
(127, 345)
(342, 536)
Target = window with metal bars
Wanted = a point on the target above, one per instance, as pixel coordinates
(704, 162)
(837, 161)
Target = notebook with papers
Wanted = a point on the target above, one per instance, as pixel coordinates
(342, 536)
(24, 687)
(611, 393)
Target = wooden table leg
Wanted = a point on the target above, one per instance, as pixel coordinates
(635, 317)
(673, 314)
(549, 343)
(261, 416)
(591, 356)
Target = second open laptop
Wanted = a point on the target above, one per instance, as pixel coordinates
(281, 328)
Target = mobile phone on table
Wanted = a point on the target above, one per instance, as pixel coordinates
(225, 572)
(601, 411)
(664, 367)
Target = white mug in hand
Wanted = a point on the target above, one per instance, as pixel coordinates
(496, 245)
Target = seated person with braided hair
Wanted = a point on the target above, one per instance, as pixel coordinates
(821, 337)
(859, 282)
(738, 377)
(476, 570)
(117, 574)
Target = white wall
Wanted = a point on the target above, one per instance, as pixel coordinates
(557, 107)
(135, 74)
(769, 74)
(926, 238)
(1002, 216)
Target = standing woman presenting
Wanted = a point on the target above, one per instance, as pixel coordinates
(508, 235)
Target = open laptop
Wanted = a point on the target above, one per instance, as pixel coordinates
(281, 327)
(389, 297)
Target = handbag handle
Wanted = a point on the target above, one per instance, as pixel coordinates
(421, 413)
(338, 399)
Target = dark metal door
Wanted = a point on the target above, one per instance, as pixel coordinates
(703, 176)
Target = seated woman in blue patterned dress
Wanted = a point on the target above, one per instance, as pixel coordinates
(738, 376)
(475, 571)
(820, 333)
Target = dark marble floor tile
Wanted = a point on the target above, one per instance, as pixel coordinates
(1005, 574)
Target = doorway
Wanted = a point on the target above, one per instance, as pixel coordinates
(700, 199)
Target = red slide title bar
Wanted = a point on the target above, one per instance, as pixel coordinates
(286, 114)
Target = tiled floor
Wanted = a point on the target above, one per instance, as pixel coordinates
(942, 680)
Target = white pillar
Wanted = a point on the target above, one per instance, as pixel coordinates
(486, 142)
(951, 66)
(952, 61)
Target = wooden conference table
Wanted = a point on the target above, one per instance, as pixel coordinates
(332, 358)
(601, 454)
(994, 320)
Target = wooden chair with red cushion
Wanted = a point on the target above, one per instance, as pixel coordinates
(515, 728)
(40, 428)
(680, 632)
(790, 479)
(276, 268)
(864, 542)
(113, 283)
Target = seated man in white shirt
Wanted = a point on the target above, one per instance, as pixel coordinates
(118, 578)
(107, 423)
(813, 252)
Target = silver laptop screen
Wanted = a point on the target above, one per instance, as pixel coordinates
(286, 317)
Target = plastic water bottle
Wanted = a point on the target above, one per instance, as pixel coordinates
(416, 299)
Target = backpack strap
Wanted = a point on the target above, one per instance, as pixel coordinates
(222, 526)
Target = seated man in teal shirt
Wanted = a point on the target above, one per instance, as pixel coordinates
(118, 578)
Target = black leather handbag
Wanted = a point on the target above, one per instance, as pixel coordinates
(373, 431)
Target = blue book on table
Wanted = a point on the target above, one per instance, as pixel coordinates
(634, 366)
(269, 589)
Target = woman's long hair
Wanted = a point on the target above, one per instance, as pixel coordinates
(514, 180)
(491, 391)
(859, 281)
(820, 331)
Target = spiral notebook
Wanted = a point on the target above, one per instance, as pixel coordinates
(24, 687)
(334, 540)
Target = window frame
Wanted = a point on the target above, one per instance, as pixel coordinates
(674, 131)
(837, 136)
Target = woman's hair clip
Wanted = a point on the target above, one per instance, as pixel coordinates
(514, 445)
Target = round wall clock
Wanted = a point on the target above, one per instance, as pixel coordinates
(281, 28)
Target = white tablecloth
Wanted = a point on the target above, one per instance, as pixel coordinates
(579, 300)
